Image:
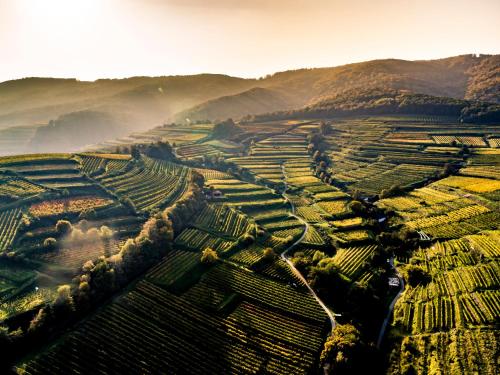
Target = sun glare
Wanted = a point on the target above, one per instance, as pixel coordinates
(57, 9)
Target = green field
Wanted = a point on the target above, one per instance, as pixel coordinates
(281, 205)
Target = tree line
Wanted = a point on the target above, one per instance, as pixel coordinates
(100, 278)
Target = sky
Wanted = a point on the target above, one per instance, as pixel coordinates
(90, 39)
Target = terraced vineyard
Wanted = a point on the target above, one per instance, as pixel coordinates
(396, 151)
(47, 170)
(174, 133)
(152, 185)
(463, 294)
(455, 307)
(283, 203)
(9, 223)
(224, 220)
(350, 261)
(448, 208)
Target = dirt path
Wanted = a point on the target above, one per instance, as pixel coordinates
(290, 264)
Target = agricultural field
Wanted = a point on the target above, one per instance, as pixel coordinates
(460, 305)
(149, 184)
(454, 306)
(67, 205)
(9, 223)
(266, 159)
(276, 217)
(58, 171)
(351, 260)
(399, 152)
(450, 208)
(174, 133)
(40, 190)
(238, 319)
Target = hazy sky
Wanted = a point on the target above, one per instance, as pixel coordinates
(89, 39)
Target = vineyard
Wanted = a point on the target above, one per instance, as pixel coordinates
(351, 260)
(183, 338)
(197, 239)
(149, 185)
(68, 205)
(47, 170)
(223, 220)
(174, 133)
(280, 200)
(9, 223)
(456, 307)
(448, 208)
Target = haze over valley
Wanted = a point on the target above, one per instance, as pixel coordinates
(249, 187)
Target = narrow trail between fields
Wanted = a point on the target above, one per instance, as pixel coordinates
(391, 306)
(291, 265)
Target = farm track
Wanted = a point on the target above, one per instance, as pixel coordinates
(291, 265)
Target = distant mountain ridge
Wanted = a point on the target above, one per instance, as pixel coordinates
(139, 103)
(462, 77)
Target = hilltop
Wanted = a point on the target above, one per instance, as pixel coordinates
(139, 103)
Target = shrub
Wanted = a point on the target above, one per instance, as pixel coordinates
(209, 256)
(38, 321)
(64, 300)
(416, 275)
(269, 255)
(346, 353)
(87, 214)
(357, 206)
(63, 227)
(50, 243)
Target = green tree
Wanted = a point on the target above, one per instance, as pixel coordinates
(343, 351)
(135, 152)
(357, 207)
(416, 275)
(50, 243)
(209, 256)
(63, 227)
(268, 254)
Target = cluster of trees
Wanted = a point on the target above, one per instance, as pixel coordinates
(382, 101)
(356, 301)
(316, 147)
(68, 234)
(480, 112)
(345, 352)
(398, 242)
(226, 129)
(162, 150)
(416, 275)
(391, 192)
(100, 278)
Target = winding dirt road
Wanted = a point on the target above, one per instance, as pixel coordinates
(291, 265)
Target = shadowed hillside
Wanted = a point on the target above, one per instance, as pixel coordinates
(143, 102)
(39, 100)
(385, 101)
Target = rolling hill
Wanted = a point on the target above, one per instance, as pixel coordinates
(139, 103)
(461, 77)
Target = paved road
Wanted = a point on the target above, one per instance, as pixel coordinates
(391, 306)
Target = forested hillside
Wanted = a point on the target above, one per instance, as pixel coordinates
(468, 76)
(379, 101)
(141, 103)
